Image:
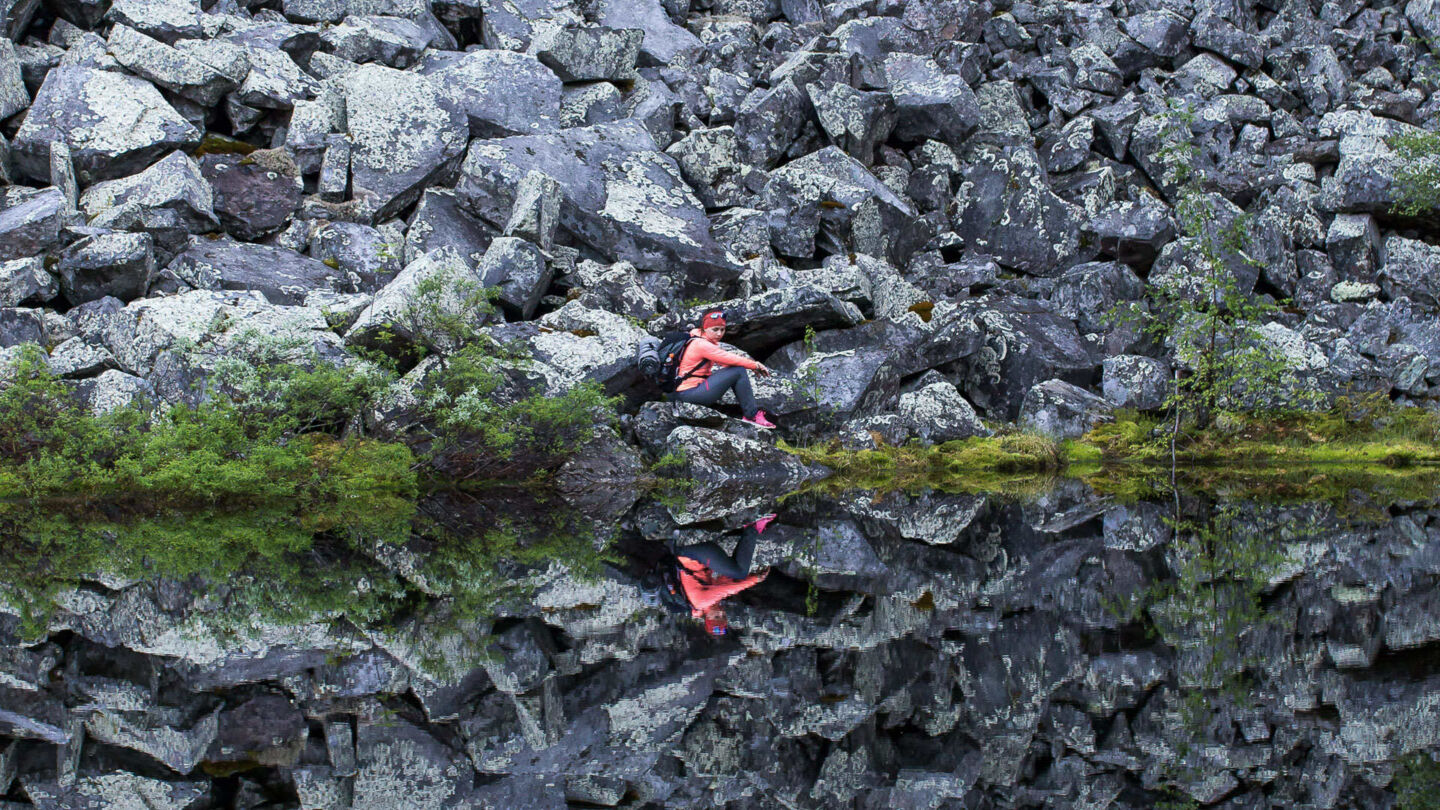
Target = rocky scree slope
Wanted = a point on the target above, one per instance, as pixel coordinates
(949, 194)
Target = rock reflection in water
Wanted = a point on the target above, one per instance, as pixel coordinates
(907, 651)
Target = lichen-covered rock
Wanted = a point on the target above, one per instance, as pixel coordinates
(663, 40)
(853, 120)
(32, 226)
(621, 196)
(168, 67)
(24, 282)
(519, 270)
(170, 200)
(439, 222)
(114, 125)
(929, 103)
(731, 473)
(118, 790)
(372, 256)
(501, 93)
(1133, 381)
(406, 134)
(940, 414)
(107, 263)
(392, 41)
(397, 312)
(254, 195)
(114, 389)
(589, 53)
(1411, 270)
(1006, 209)
(401, 765)
(283, 276)
(1063, 411)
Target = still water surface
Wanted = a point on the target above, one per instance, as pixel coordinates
(906, 650)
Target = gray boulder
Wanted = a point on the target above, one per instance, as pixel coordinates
(614, 288)
(266, 729)
(590, 53)
(359, 250)
(115, 125)
(663, 40)
(75, 359)
(395, 314)
(111, 789)
(401, 765)
(831, 196)
(168, 67)
(406, 135)
(283, 276)
(254, 195)
(929, 103)
(1088, 293)
(108, 263)
(32, 226)
(853, 120)
(440, 221)
(621, 196)
(20, 325)
(170, 201)
(1063, 411)
(391, 41)
(510, 25)
(113, 390)
(536, 213)
(501, 93)
(1005, 208)
(1411, 270)
(519, 270)
(1133, 381)
(14, 96)
(938, 414)
(730, 473)
(1355, 248)
(1131, 232)
(710, 162)
(1020, 344)
(769, 120)
(24, 282)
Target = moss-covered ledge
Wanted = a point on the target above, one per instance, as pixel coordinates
(1366, 444)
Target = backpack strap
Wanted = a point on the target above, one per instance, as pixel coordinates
(694, 372)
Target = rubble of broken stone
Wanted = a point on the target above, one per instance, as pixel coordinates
(918, 212)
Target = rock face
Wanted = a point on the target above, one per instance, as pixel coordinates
(931, 218)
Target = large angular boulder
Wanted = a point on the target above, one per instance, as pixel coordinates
(256, 194)
(399, 314)
(440, 221)
(929, 103)
(501, 93)
(730, 473)
(831, 195)
(520, 272)
(577, 344)
(169, 67)
(621, 195)
(589, 53)
(401, 765)
(392, 41)
(938, 413)
(1021, 343)
(368, 254)
(406, 134)
(283, 276)
(1134, 381)
(32, 226)
(109, 263)
(98, 791)
(1060, 410)
(170, 201)
(1411, 270)
(772, 318)
(1005, 208)
(663, 40)
(114, 124)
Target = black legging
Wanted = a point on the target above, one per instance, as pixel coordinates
(712, 555)
(712, 388)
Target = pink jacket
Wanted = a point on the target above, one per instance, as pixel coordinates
(704, 588)
(696, 356)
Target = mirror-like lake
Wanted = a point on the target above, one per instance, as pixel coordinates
(1059, 650)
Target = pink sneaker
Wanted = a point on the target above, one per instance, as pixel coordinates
(759, 420)
(763, 522)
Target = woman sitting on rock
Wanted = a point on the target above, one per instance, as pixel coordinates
(707, 371)
(698, 577)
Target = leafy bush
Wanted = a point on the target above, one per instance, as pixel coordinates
(1417, 177)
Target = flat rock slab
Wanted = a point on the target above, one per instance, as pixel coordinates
(115, 125)
(283, 276)
(731, 473)
(621, 195)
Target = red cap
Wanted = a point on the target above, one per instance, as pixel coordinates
(715, 622)
(712, 318)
